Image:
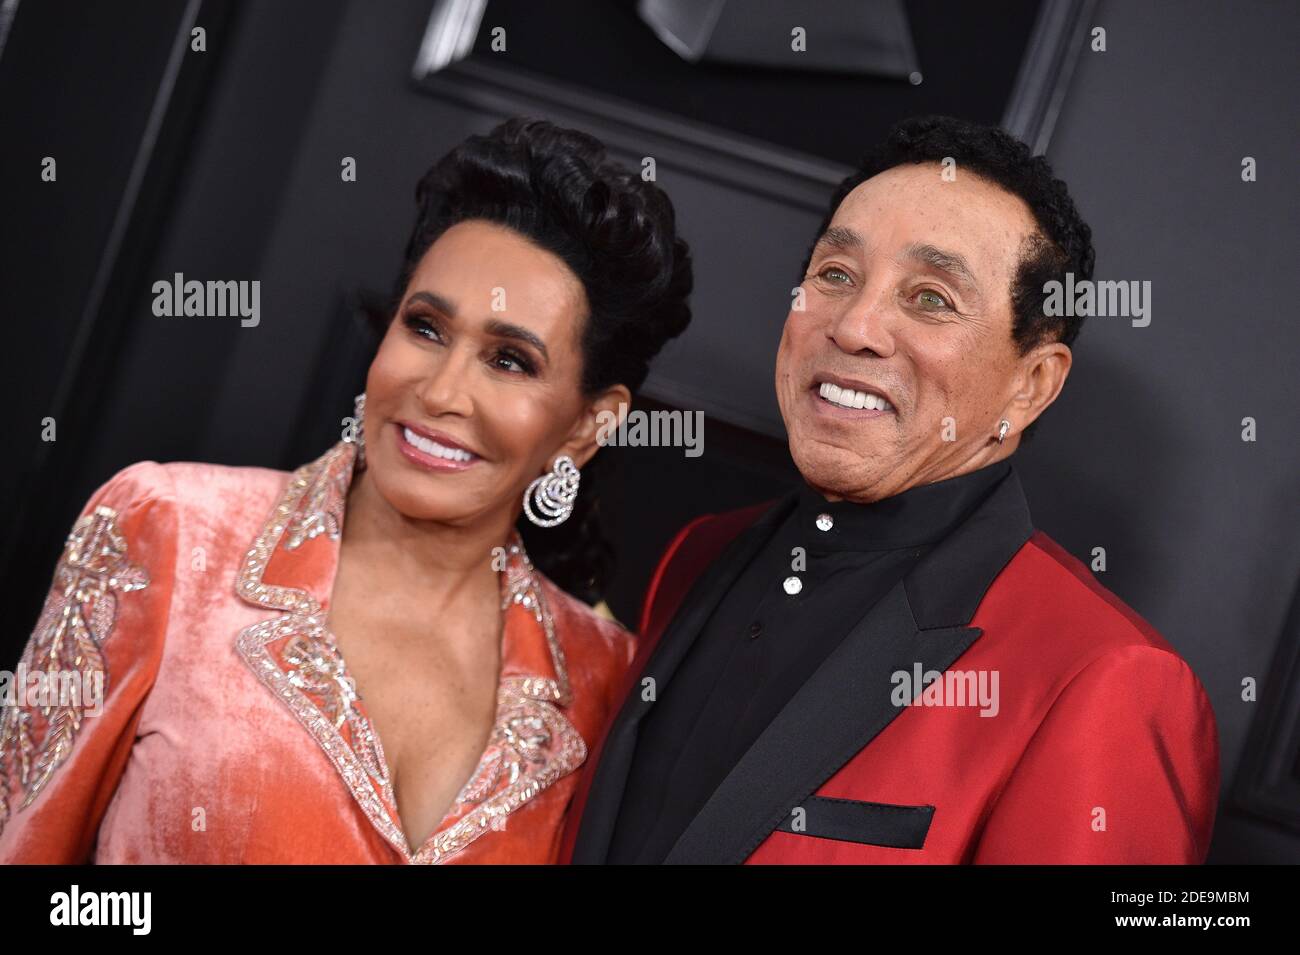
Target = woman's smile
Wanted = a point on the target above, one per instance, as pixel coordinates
(435, 453)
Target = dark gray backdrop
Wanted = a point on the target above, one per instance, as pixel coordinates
(1141, 455)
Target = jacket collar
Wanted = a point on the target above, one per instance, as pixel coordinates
(290, 568)
(844, 705)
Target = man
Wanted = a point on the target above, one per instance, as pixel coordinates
(891, 665)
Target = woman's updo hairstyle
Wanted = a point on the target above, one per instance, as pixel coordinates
(616, 232)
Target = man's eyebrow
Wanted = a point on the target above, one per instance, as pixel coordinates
(506, 330)
(949, 262)
(841, 239)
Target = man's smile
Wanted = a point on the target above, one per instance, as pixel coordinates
(849, 398)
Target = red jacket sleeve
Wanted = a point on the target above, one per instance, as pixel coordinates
(87, 669)
(1123, 769)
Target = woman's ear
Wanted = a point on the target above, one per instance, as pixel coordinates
(599, 419)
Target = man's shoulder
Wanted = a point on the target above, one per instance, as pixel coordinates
(1045, 586)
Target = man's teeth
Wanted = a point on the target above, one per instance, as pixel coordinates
(848, 398)
(429, 446)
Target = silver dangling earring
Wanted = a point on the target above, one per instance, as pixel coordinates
(555, 493)
(358, 431)
(1003, 427)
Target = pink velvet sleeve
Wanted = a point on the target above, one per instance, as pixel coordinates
(87, 668)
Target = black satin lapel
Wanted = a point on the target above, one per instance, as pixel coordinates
(605, 796)
(842, 707)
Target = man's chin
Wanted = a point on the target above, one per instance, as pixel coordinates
(832, 469)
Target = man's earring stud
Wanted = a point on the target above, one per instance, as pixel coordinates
(1003, 427)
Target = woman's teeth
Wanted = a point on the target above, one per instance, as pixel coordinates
(848, 398)
(429, 446)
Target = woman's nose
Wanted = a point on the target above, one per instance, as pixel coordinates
(445, 390)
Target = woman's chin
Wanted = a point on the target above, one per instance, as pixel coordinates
(415, 500)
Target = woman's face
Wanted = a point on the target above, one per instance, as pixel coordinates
(476, 387)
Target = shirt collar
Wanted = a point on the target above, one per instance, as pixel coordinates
(918, 516)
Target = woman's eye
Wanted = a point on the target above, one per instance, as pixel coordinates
(509, 361)
(935, 300)
(422, 328)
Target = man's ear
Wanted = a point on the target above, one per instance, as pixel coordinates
(598, 421)
(1041, 377)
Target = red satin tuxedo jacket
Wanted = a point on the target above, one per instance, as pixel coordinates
(1103, 747)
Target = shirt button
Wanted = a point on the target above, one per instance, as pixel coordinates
(792, 585)
(755, 629)
(825, 522)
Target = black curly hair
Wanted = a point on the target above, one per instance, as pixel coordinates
(616, 232)
(1063, 245)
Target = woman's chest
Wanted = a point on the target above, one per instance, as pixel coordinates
(258, 748)
(432, 712)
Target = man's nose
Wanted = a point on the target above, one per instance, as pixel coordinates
(864, 325)
(446, 388)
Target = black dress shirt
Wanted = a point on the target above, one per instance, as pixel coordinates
(785, 614)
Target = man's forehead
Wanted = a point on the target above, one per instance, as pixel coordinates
(911, 207)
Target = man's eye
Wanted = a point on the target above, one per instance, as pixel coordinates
(835, 274)
(935, 300)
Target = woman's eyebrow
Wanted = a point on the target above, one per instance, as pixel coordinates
(506, 330)
(493, 327)
(442, 304)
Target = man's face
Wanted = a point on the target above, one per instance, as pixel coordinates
(907, 298)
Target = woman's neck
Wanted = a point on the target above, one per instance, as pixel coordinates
(435, 562)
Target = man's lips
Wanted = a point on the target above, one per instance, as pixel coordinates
(851, 395)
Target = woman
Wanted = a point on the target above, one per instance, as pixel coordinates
(260, 633)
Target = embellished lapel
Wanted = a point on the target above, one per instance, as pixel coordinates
(294, 655)
(847, 702)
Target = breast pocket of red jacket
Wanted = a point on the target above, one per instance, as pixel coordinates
(867, 823)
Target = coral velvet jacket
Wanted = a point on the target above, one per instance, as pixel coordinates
(1103, 748)
(230, 731)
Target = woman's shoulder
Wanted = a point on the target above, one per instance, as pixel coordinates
(588, 632)
(190, 486)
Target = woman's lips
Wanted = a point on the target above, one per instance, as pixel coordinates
(430, 455)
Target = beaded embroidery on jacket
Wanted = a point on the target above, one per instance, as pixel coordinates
(531, 745)
(79, 614)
